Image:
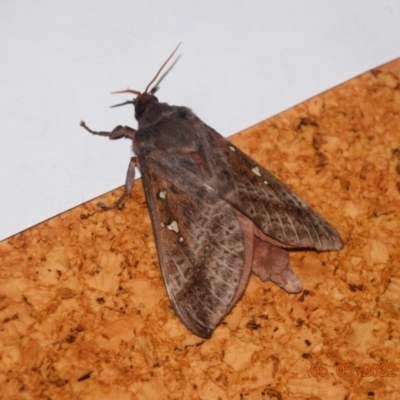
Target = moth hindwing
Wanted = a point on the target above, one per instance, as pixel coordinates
(217, 215)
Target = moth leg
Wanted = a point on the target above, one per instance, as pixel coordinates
(117, 133)
(130, 180)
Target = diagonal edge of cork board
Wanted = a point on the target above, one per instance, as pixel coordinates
(84, 312)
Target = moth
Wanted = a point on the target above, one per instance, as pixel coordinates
(217, 215)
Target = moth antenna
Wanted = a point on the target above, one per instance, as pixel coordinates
(156, 87)
(162, 66)
(123, 104)
(128, 91)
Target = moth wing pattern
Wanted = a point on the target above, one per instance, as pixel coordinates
(199, 241)
(275, 208)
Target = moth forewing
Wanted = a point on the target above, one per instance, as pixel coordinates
(275, 209)
(199, 241)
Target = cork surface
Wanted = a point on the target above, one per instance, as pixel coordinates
(84, 313)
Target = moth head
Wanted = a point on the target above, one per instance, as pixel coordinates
(146, 104)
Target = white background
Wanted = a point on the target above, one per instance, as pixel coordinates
(242, 62)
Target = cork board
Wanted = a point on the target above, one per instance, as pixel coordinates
(84, 313)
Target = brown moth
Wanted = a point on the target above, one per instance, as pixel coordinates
(217, 215)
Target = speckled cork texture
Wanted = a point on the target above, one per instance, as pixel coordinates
(84, 313)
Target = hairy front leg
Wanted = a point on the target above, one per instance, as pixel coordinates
(117, 133)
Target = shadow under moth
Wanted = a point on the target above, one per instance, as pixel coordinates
(217, 215)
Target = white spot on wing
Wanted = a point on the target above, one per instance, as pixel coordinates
(256, 171)
(266, 183)
(231, 148)
(180, 239)
(162, 194)
(208, 187)
(173, 226)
